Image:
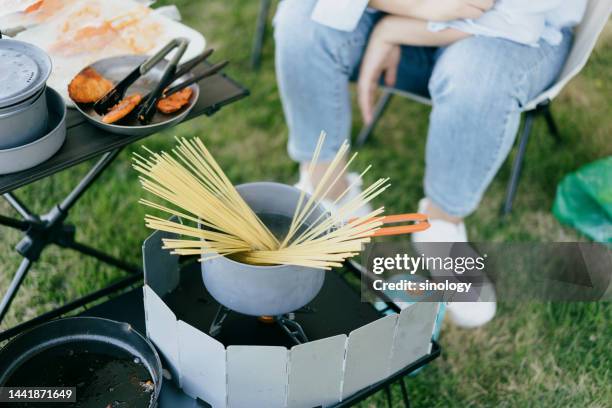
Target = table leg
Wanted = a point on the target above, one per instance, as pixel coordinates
(101, 256)
(21, 273)
(19, 207)
(13, 223)
(50, 229)
(64, 207)
(404, 393)
(88, 180)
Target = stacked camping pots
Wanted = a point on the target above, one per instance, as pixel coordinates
(32, 116)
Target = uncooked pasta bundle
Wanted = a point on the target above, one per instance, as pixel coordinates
(216, 221)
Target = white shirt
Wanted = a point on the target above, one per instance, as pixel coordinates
(523, 21)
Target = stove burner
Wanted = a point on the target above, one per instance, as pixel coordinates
(286, 322)
(292, 328)
(267, 319)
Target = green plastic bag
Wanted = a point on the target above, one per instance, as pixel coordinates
(584, 200)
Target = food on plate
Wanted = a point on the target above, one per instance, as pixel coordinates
(122, 109)
(175, 101)
(88, 86)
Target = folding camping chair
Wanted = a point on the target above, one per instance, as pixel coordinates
(586, 34)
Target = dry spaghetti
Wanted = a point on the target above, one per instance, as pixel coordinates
(197, 191)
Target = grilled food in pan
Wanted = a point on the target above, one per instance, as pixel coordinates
(146, 94)
(88, 86)
(117, 68)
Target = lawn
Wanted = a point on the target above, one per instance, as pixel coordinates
(532, 354)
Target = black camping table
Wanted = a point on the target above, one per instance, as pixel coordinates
(83, 142)
(338, 308)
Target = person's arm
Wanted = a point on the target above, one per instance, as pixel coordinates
(344, 15)
(436, 10)
(382, 54)
(396, 30)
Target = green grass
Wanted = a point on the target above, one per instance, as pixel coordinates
(553, 355)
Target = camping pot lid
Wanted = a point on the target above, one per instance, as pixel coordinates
(24, 69)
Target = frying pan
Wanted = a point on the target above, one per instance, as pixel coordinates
(94, 336)
(115, 69)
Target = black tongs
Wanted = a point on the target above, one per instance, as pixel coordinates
(115, 95)
(212, 70)
(189, 65)
(147, 109)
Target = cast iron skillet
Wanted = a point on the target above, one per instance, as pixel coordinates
(83, 339)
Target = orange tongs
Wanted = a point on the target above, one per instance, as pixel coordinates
(419, 222)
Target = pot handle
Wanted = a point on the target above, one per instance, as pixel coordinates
(420, 222)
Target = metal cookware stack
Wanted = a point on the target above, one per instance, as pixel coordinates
(24, 70)
(32, 116)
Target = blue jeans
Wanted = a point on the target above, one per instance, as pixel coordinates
(477, 86)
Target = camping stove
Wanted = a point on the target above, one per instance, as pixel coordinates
(286, 322)
(316, 355)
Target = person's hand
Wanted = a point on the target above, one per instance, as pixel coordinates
(380, 58)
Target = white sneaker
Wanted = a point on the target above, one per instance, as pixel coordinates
(440, 230)
(306, 185)
(464, 314)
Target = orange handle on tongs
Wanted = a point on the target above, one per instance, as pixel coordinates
(421, 223)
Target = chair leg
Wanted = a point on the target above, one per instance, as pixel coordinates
(517, 165)
(260, 33)
(389, 398)
(553, 130)
(381, 105)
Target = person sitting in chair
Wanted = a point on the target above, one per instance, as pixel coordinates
(479, 61)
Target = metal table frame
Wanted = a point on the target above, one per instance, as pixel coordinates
(43, 230)
(50, 228)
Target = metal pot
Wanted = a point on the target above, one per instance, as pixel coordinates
(31, 154)
(25, 122)
(264, 290)
(24, 70)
